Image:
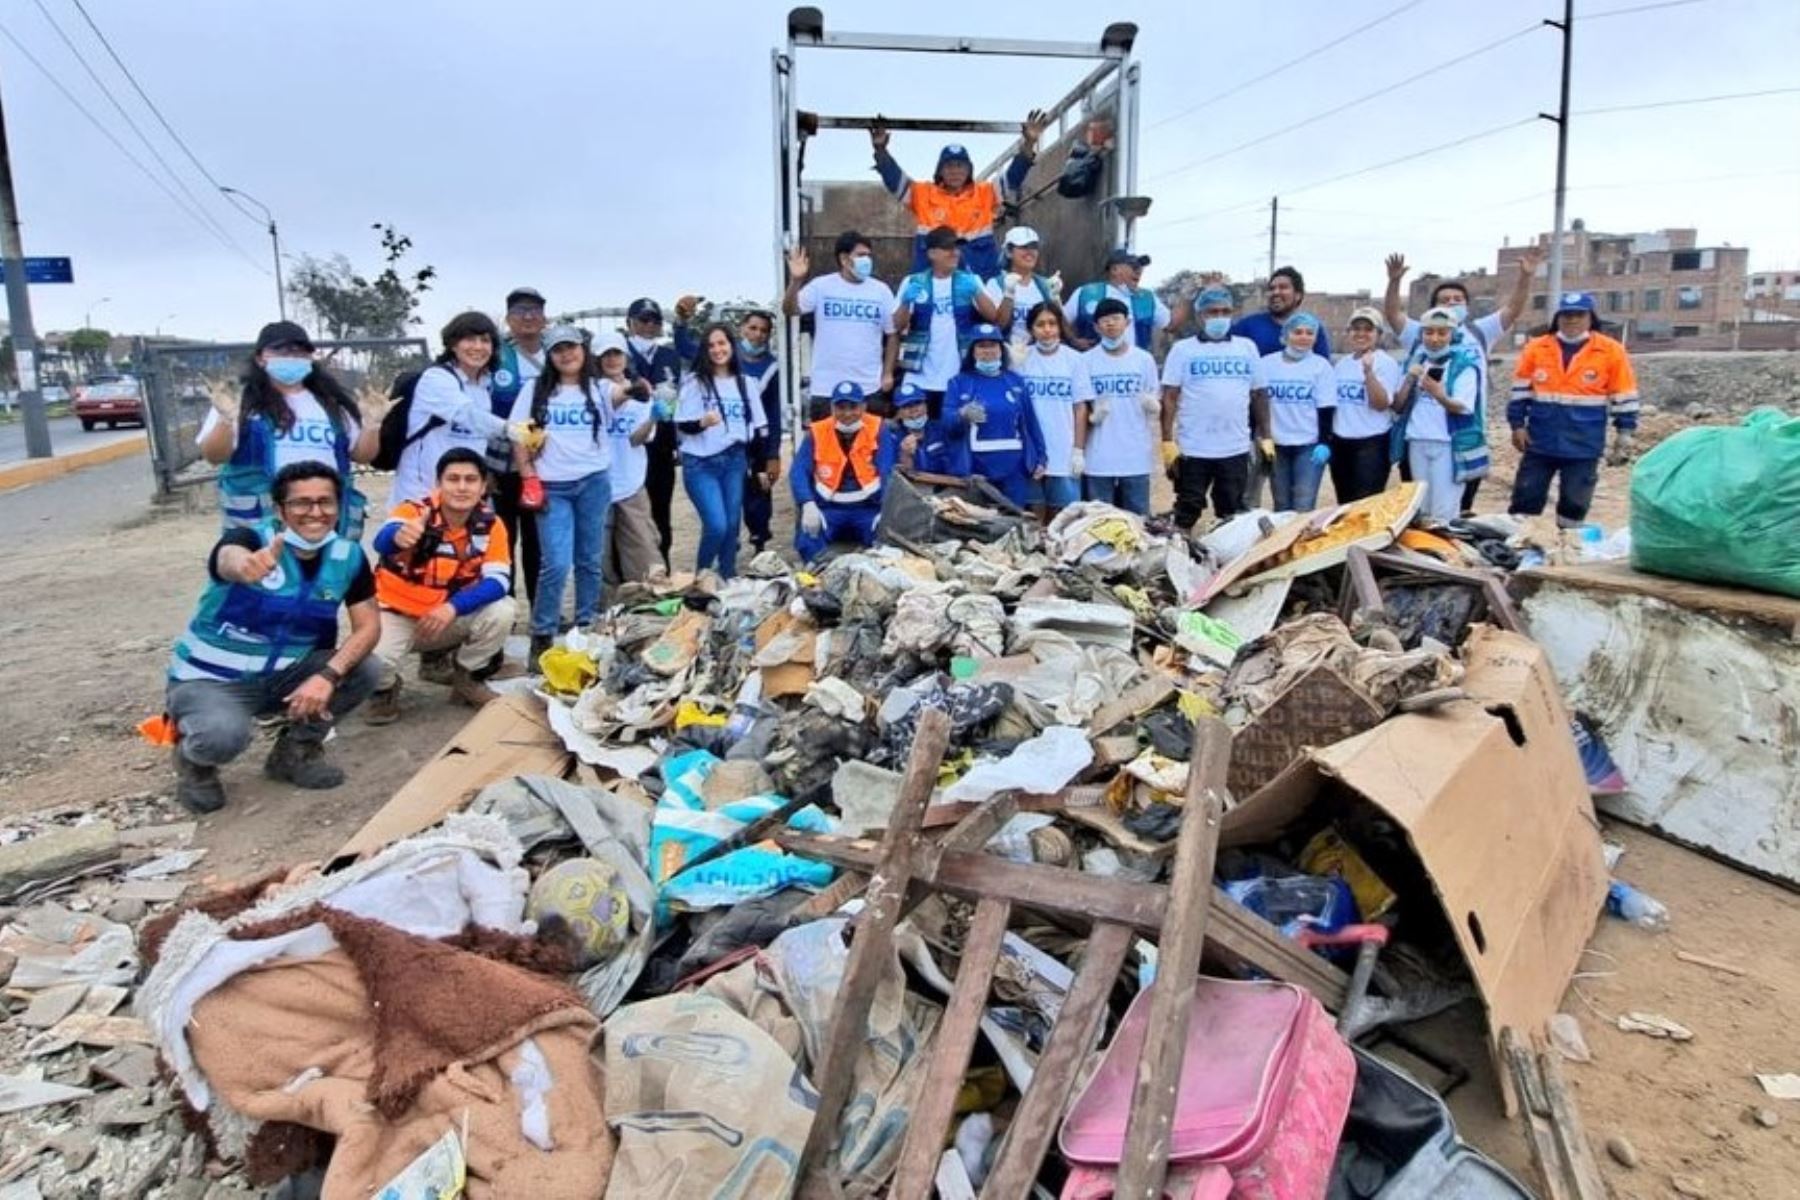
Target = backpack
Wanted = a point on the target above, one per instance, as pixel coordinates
(394, 439)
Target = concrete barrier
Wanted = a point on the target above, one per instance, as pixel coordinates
(37, 470)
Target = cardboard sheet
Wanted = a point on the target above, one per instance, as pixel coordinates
(1492, 798)
(510, 736)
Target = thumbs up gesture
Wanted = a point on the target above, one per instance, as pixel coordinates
(258, 564)
(409, 533)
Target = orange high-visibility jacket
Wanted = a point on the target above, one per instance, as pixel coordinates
(1564, 408)
(830, 458)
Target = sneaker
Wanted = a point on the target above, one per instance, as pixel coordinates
(301, 763)
(466, 689)
(383, 707)
(437, 666)
(197, 787)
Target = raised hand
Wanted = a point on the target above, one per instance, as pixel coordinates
(259, 564)
(226, 397)
(878, 134)
(799, 263)
(1032, 128)
(1530, 261)
(1396, 266)
(409, 533)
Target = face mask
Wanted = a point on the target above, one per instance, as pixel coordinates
(295, 540)
(988, 368)
(913, 423)
(643, 345)
(1112, 343)
(750, 349)
(1459, 311)
(1438, 355)
(1216, 327)
(289, 371)
(849, 425)
(1573, 339)
(1294, 353)
(1049, 345)
(863, 265)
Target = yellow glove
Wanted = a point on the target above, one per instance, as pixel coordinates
(529, 435)
(1170, 452)
(1266, 447)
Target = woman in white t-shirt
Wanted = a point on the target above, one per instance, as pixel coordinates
(1056, 380)
(716, 418)
(632, 549)
(1361, 432)
(289, 409)
(570, 452)
(1302, 398)
(1440, 380)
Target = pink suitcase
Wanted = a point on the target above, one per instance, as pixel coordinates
(1265, 1089)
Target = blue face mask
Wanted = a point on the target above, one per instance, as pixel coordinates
(1112, 343)
(295, 540)
(1049, 345)
(1438, 355)
(1216, 327)
(988, 367)
(750, 349)
(1459, 311)
(288, 371)
(863, 265)
(1294, 353)
(913, 423)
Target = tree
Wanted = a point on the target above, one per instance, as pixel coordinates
(89, 348)
(346, 304)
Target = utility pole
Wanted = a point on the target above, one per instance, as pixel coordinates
(18, 306)
(1567, 28)
(1274, 216)
(274, 242)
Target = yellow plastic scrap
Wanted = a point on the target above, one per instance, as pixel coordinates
(1426, 542)
(567, 672)
(691, 713)
(1365, 518)
(982, 1088)
(954, 766)
(1193, 706)
(1137, 600)
(1115, 532)
(1329, 854)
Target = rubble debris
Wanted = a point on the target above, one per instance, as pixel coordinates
(56, 853)
(1654, 1025)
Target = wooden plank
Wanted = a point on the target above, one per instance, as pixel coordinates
(1532, 1110)
(1071, 1039)
(834, 896)
(1781, 613)
(1565, 1127)
(955, 1041)
(1140, 699)
(970, 834)
(949, 812)
(1235, 935)
(1359, 580)
(872, 947)
(1152, 1117)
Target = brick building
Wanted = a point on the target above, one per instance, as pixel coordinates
(1772, 296)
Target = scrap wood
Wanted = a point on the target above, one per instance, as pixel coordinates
(1553, 1132)
(949, 812)
(1700, 960)
(1149, 694)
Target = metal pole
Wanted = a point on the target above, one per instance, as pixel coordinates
(1274, 218)
(18, 306)
(280, 292)
(1567, 27)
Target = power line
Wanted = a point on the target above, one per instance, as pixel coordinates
(1588, 112)
(155, 154)
(117, 144)
(1636, 8)
(1294, 62)
(1384, 90)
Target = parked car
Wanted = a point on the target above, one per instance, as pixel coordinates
(114, 399)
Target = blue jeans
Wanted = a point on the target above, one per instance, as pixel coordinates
(1531, 486)
(1055, 491)
(572, 535)
(1294, 478)
(1129, 492)
(716, 486)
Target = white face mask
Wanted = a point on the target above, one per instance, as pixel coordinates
(295, 539)
(643, 345)
(1573, 339)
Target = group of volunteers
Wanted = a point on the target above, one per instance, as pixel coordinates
(561, 449)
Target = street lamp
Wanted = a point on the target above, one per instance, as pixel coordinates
(87, 320)
(274, 240)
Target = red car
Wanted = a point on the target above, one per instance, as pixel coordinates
(114, 399)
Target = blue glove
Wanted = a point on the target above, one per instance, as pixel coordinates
(1321, 454)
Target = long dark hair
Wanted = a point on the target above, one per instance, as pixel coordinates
(704, 370)
(263, 399)
(1048, 306)
(549, 379)
(468, 325)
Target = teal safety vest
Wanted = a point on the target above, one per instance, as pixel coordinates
(917, 338)
(1143, 313)
(246, 479)
(251, 629)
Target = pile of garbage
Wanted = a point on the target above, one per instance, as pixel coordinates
(631, 979)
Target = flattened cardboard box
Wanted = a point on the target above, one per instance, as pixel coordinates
(509, 736)
(1492, 798)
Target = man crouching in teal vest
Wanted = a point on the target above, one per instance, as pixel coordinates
(265, 640)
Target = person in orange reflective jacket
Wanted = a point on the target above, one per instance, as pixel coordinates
(954, 197)
(837, 475)
(1565, 385)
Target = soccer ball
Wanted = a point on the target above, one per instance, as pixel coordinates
(583, 896)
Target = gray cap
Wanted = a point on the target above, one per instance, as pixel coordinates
(556, 335)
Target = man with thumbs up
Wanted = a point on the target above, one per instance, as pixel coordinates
(264, 639)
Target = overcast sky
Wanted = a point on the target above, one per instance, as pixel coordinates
(599, 156)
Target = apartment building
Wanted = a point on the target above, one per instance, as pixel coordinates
(1653, 286)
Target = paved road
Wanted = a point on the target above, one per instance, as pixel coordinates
(66, 436)
(84, 503)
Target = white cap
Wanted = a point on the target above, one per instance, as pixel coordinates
(1022, 235)
(1370, 314)
(609, 340)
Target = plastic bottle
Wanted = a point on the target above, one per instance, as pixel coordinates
(1628, 904)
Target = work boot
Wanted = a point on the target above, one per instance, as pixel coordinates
(383, 707)
(197, 787)
(301, 763)
(436, 666)
(466, 689)
(540, 642)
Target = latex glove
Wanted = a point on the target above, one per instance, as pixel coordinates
(1152, 404)
(1321, 454)
(1010, 284)
(1623, 444)
(1077, 462)
(531, 494)
(974, 412)
(534, 437)
(916, 293)
(1170, 452)
(1098, 410)
(1266, 448)
(811, 519)
(1056, 286)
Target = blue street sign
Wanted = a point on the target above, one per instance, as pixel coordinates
(45, 270)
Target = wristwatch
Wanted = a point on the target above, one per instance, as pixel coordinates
(330, 674)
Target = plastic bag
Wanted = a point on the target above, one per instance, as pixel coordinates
(1722, 505)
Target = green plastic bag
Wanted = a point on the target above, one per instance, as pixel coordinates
(1722, 505)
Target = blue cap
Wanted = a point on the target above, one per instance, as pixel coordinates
(1300, 320)
(1125, 254)
(984, 332)
(1214, 295)
(909, 394)
(847, 393)
(1574, 302)
(954, 153)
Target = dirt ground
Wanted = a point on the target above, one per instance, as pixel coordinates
(96, 584)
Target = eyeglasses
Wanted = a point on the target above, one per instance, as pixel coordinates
(308, 504)
(525, 311)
